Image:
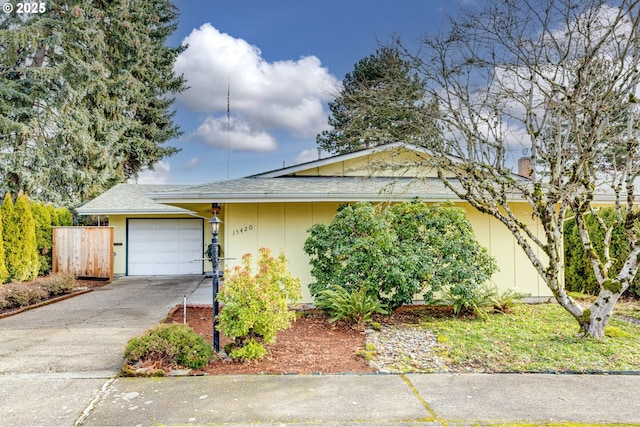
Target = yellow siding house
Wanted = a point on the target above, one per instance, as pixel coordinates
(161, 229)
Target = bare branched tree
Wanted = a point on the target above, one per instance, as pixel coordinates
(558, 78)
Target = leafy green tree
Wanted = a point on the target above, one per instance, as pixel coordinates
(397, 252)
(85, 96)
(380, 102)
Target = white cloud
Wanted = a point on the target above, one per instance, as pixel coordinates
(157, 174)
(264, 96)
(307, 156)
(193, 162)
(239, 137)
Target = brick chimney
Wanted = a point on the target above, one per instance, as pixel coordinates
(524, 166)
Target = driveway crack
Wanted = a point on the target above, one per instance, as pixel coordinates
(96, 399)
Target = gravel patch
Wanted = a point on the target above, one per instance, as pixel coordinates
(400, 349)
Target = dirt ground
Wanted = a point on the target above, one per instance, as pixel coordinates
(311, 345)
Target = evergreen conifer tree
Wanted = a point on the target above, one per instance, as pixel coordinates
(24, 264)
(380, 102)
(9, 234)
(42, 217)
(4, 273)
(85, 96)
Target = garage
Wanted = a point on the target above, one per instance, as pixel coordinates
(164, 246)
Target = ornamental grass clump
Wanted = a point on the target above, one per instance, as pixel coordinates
(256, 306)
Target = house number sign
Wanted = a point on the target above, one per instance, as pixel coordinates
(243, 229)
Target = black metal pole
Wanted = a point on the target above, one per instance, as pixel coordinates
(214, 262)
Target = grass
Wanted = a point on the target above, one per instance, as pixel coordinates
(534, 338)
(628, 308)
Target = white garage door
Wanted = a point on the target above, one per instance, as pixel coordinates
(164, 246)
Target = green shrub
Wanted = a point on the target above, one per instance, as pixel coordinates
(256, 306)
(579, 276)
(465, 300)
(397, 252)
(42, 216)
(170, 343)
(22, 295)
(58, 283)
(4, 273)
(19, 236)
(478, 300)
(355, 306)
(65, 218)
(505, 301)
(250, 351)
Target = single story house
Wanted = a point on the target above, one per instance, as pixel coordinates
(162, 229)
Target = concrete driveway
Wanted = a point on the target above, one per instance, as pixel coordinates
(44, 352)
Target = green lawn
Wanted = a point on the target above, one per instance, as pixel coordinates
(534, 338)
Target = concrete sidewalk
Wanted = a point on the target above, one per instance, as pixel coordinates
(399, 400)
(58, 367)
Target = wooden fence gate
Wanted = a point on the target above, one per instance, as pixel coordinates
(86, 252)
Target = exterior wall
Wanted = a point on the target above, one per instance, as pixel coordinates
(278, 226)
(515, 270)
(283, 226)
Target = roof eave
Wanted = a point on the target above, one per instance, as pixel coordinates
(132, 212)
(312, 197)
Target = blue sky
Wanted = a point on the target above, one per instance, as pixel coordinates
(281, 61)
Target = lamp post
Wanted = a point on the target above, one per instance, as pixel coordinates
(214, 226)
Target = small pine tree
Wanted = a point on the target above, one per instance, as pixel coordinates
(64, 217)
(42, 217)
(19, 238)
(55, 215)
(4, 273)
(9, 233)
(30, 264)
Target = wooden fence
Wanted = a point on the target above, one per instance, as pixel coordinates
(84, 251)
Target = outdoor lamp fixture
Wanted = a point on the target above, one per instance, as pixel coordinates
(214, 226)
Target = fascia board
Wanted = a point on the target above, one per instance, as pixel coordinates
(132, 212)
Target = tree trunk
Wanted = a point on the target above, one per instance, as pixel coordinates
(595, 318)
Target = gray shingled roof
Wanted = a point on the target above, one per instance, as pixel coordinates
(131, 199)
(275, 186)
(308, 188)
